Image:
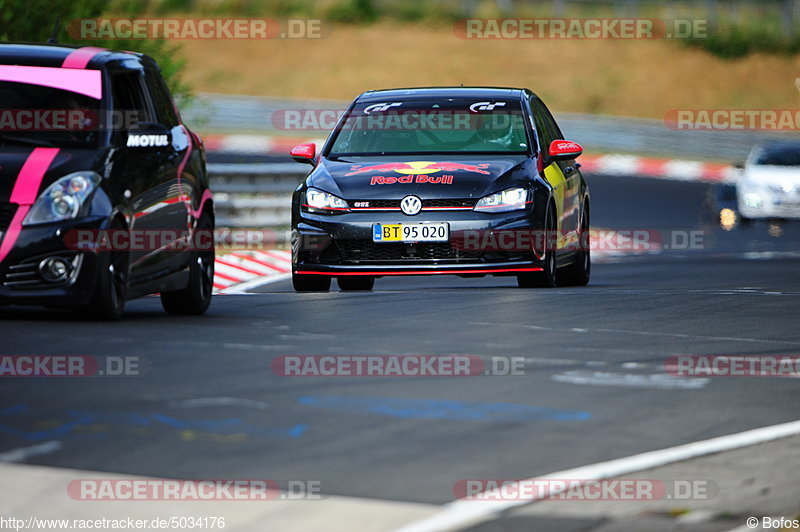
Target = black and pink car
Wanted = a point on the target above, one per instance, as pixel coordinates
(93, 152)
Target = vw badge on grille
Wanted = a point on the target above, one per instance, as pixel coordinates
(411, 205)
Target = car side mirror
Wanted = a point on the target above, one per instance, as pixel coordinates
(148, 135)
(562, 150)
(739, 165)
(305, 153)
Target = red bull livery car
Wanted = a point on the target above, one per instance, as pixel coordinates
(465, 181)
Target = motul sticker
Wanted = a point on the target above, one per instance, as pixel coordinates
(146, 141)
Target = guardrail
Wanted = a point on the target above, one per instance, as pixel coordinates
(255, 195)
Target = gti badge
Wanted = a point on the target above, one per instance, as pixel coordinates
(411, 205)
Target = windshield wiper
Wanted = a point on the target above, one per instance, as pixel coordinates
(25, 140)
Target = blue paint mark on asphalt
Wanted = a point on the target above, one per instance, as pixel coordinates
(78, 418)
(443, 409)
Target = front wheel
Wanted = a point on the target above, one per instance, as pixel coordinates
(547, 277)
(578, 273)
(310, 283)
(108, 298)
(196, 297)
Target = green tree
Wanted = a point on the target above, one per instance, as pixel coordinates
(33, 21)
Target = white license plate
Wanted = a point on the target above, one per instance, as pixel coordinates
(426, 232)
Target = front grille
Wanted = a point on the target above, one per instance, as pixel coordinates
(360, 251)
(7, 211)
(379, 204)
(426, 204)
(445, 203)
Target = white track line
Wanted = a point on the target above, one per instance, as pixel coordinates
(20, 455)
(458, 514)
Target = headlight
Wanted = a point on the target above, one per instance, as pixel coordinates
(64, 199)
(319, 201)
(511, 199)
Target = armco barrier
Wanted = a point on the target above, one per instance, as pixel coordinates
(254, 195)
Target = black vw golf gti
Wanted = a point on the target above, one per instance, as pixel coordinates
(103, 190)
(468, 181)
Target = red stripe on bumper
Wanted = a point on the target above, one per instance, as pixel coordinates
(421, 272)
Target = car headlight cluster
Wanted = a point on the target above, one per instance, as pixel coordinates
(64, 199)
(511, 199)
(323, 202)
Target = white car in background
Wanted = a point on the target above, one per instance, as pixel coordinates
(769, 186)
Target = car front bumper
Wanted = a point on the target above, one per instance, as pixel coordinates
(758, 202)
(21, 279)
(340, 245)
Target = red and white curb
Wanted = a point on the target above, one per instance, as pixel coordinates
(631, 165)
(254, 144)
(612, 164)
(241, 270)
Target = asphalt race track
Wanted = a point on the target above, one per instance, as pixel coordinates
(593, 388)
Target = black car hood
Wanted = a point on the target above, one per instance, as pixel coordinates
(66, 161)
(371, 178)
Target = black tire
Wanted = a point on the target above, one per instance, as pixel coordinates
(355, 282)
(196, 297)
(579, 272)
(311, 283)
(546, 278)
(108, 298)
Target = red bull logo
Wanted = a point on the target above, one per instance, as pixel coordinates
(419, 167)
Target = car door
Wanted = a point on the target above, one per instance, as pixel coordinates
(179, 182)
(562, 175)
(146, 176)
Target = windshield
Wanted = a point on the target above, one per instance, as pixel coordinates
(463, 126)
(39, 115)
(780, 156)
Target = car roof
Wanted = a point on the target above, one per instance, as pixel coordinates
(442, 92)
(53, 55)
(772, 145)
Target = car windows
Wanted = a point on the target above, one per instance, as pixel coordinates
(433, 126)
(546, 128)
(31, 113)
(555, 131)
(543, 133)
(162, 101)
(129, 99)
(781, 156)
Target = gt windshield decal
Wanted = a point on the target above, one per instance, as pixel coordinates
(485, 106)
(381, 107)
(418, 167)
